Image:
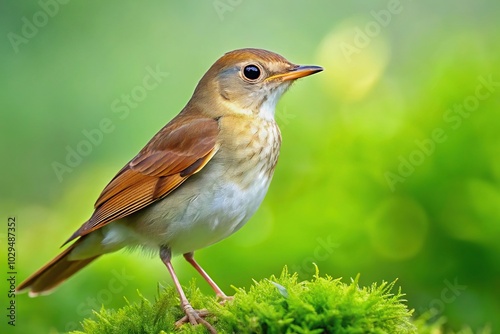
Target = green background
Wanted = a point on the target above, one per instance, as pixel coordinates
(390, 164)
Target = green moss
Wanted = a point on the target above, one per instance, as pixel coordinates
(275, 305)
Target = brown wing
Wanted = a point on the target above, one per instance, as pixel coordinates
(182, 148)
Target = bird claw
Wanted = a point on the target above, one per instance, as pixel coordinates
(195, 317)
(224, 299)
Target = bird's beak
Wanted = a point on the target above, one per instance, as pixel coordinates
(296, 72)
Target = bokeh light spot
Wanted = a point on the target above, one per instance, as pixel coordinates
(354, 59)
(398, 228)
(472, 211)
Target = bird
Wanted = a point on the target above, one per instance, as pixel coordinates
(196, 182)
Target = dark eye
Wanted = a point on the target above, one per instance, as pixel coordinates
(251, 72)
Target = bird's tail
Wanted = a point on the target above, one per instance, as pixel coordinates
(55, 272)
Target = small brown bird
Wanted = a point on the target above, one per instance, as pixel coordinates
(197, 181)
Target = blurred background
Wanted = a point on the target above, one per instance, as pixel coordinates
(390, 164)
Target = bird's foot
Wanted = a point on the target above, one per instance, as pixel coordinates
(223, 299)
(195, 317)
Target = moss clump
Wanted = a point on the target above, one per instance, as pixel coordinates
(274, 305)
(284, 305)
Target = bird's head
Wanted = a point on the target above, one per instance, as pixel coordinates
(248, 81)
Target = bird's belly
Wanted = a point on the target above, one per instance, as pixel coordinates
(185, 222)
(215, 216)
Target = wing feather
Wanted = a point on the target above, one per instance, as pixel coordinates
(182, 148)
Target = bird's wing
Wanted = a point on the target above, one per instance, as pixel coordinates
(182, 148)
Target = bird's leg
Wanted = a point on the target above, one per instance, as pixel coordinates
(194, 317)
(218, 292)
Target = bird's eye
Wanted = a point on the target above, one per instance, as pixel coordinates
(251, 72)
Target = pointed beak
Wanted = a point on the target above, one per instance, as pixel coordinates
(296, 73)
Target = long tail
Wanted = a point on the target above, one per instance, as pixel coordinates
(54, 273)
